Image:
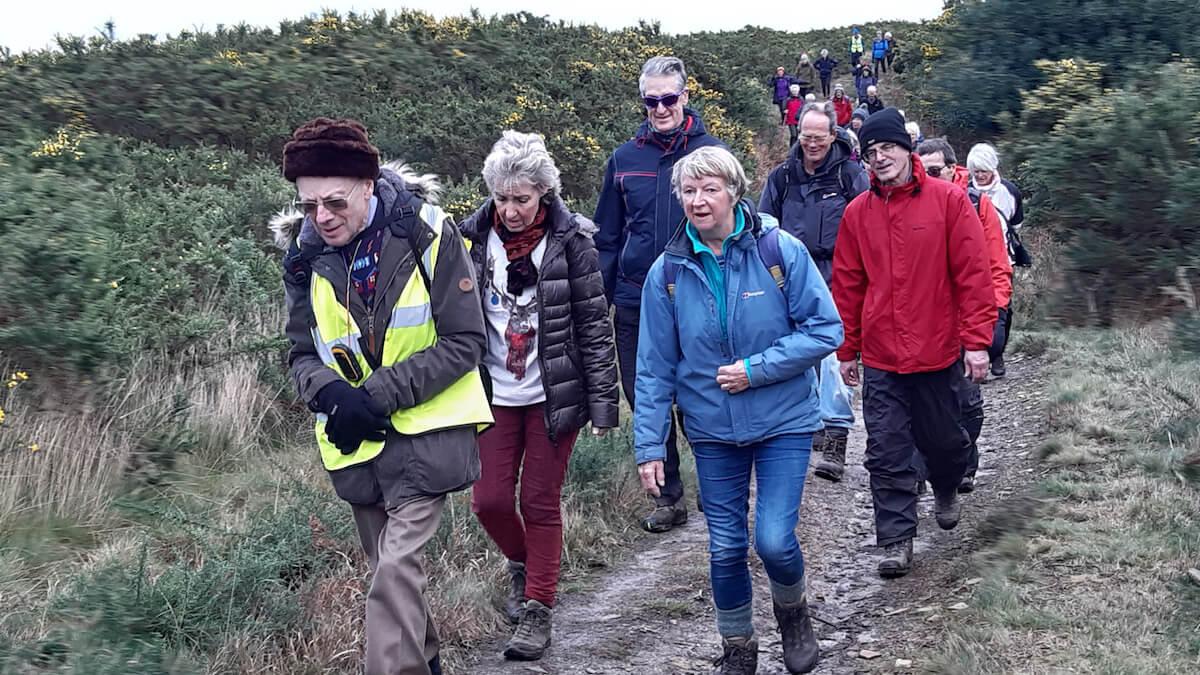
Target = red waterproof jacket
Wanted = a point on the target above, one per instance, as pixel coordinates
(997, 242)
(911, 277)
(844, 110)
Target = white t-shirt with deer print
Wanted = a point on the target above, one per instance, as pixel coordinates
(512, 323)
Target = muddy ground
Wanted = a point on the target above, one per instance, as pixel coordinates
(653, 613)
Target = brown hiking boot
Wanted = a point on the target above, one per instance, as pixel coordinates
(663, 518)
(515, 601)
(897, 559)
(740, 657)
(833, 454)
(532, 636)
(800, 650)
(947, 509)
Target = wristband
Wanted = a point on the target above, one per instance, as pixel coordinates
(746, 365)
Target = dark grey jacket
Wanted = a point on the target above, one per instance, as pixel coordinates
(575, 343)
(434, 463)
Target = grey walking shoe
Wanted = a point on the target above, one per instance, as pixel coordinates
(833, 454)
(532, 636)
(947, 509)
(800, 649)
(515, 601)
(897, 559)
(663, 518)
(740, 657)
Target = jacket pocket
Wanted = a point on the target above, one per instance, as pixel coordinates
(443, 461)
(357, 483)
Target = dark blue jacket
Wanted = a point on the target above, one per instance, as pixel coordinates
(811, 210)
(637, 213)
(825, 66)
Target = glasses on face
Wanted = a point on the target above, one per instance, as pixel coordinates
(667, 101)
(935, 171)
(875, 152)
(815, 140)
(336, 204)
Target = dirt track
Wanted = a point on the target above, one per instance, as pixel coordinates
(653, 613)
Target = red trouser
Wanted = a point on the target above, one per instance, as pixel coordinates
(519, 446)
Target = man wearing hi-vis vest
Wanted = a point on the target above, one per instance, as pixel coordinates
(387, 333)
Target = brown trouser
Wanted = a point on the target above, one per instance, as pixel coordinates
(401, 636)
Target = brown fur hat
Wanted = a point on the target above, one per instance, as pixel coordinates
(329, 147)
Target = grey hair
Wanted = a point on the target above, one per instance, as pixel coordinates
(983, 157)
(873, 88)
(521, 158)
(930, 146)
(825, 108)
(824, 52)
(911, 126)
(662, 65)
(711, 161)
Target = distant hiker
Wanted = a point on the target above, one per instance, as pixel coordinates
(637, 214)
(552, 364)
(793, 112)
(807, 194)
(984, 164)
(862, 82)
(914, 132)
(807, 73)
(879, 50)
(856, 48)
(842, 105)
(874, 103)
(779, 85)
(940, 161)
(386, 335)
(911, 280)
(892, 49)
(735, 318)
(857, 118)
(825, 66)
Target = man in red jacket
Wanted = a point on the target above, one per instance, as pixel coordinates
(911, 280)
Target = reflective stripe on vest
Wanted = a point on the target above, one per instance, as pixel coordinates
(410, 329)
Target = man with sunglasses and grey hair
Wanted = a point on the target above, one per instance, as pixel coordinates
(386, 333)
(637, 214)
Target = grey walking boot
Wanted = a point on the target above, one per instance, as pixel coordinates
(800, 649)
(516, 591)
(967, 485)
(663, 518)
(897, 559)
(833, 453)
(740, 657)
(947, 509)
(532, 636)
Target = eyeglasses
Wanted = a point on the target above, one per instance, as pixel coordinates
(874, 152)
(814, 139)
(336, 204)
(935, 171)
(667, 101)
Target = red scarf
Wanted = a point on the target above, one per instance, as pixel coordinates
(518, 246)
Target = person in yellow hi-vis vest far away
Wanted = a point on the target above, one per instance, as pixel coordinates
(386, 333)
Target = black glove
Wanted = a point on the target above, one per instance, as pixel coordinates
(354, 416)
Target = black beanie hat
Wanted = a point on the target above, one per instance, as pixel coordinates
(329, 147)
(885, 126)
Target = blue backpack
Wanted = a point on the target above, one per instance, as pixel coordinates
(768, 251)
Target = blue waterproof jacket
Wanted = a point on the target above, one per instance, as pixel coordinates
(637, 213)
(879, 49)
(780, 335)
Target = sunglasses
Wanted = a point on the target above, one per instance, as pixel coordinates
(336, 204)
(935, 171)
(667, 101)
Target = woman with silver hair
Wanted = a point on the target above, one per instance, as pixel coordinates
(551, 361)
(735, 318)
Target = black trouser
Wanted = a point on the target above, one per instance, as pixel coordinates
(782, 115)
(825, 85)
(904, 415)
(880, 66)
(793, 133)
(1000, 333)
(625, 320)
(855, 61)
(971, 401)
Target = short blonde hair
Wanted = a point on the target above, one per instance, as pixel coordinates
(711, 161)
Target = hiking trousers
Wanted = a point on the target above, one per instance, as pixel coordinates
(907, 414)
(401, 636)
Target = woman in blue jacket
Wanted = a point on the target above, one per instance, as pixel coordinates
(734, 319)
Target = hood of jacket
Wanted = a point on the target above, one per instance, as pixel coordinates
(839, 151)
(394, 177)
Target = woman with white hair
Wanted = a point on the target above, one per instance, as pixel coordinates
(984, 164)
(825, 66)
(735, 319)
(552, 365)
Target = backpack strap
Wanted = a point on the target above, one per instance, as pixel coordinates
(781, 186)
(768, 250)
(404, 219)
(670, 273)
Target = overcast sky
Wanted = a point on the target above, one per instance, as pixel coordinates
(31, 25)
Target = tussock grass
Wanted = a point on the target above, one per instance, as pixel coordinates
(1097, 583)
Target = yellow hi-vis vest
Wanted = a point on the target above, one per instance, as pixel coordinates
(410, 329)
(856, 44)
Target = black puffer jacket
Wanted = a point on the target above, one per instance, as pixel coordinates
(575, 343)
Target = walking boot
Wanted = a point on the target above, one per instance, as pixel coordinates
(998, 366)
(663, 518)
(833, 454)
(435, 665)
(516, 591)
(947, 509)
(740, 657)
(897, 559)
(967, 484)
(799, 641)
(532, 636)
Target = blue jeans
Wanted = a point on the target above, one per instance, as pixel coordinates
(834, 394)
(780, 465)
